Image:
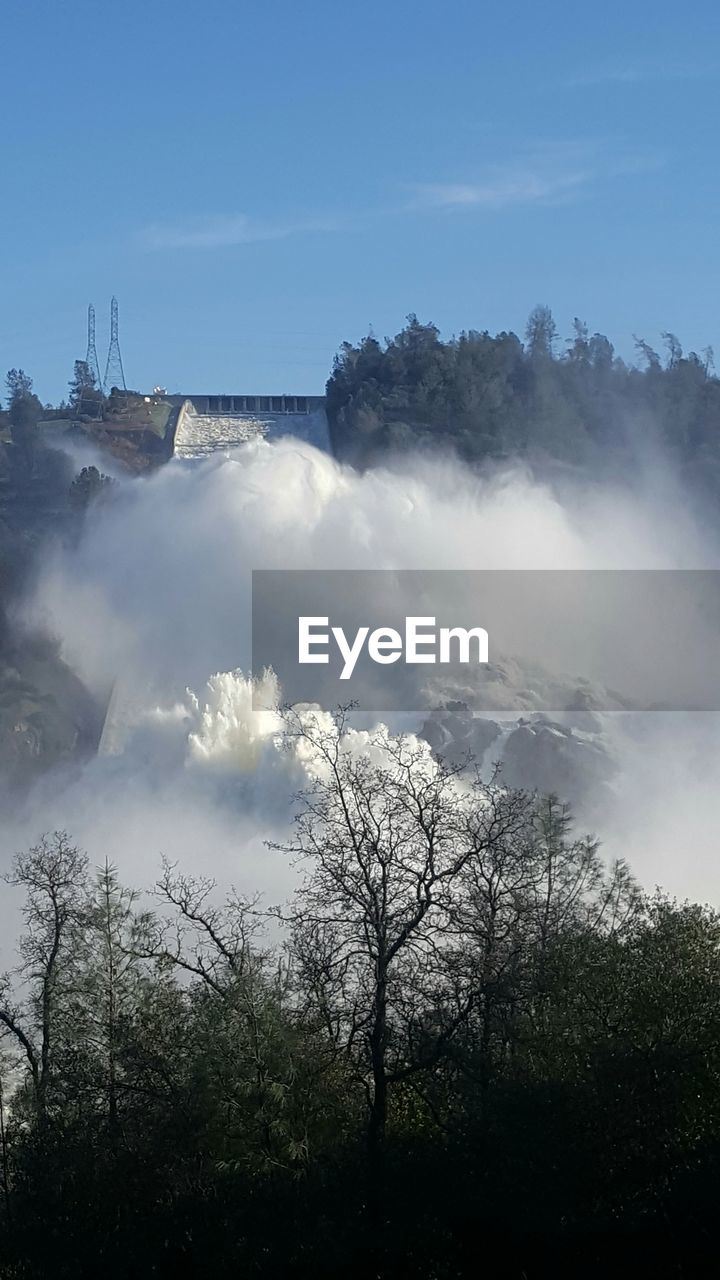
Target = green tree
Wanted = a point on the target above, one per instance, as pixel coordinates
(86, 398)
(88, 486)
(24, 409)
(109, 986)
(540, 333)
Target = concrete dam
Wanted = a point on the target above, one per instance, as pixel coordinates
(207, 424)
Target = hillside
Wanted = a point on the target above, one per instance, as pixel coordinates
(492, 398)
(136, 429)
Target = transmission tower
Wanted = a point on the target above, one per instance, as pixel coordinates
(114, 374)
(91, 359)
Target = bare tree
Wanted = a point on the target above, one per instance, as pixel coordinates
(4, 1151)
(54, 876)
(387, 834)
(240, 1007)
(214, 941)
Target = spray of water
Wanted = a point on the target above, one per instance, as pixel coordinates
(154, 603)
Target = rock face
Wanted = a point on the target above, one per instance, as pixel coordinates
(548, 757)
(47, 716)
(536, 754)
(454, 733)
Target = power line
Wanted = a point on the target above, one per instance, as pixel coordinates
(114, 372)
(91, 359)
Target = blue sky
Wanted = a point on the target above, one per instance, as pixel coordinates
(259, 181)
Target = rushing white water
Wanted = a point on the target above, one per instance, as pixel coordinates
(198, 435)
(155, 598)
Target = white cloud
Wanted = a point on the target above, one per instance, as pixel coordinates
(501, 190)
(549, 173)
(226, 231)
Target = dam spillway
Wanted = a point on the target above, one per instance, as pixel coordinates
(207, 424)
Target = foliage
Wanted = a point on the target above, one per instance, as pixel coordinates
(23, 411)
(88, 485)
(491, 398)
(468, 1029)
(86, 398)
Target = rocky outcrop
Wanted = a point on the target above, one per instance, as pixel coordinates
(535, 753)
(47, 716)
(455, 733)
(545, 756)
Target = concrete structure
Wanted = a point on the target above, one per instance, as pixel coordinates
(207, 424)
(244, 404)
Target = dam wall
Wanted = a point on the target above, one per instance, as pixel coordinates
(240, 404)
(208, 424)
